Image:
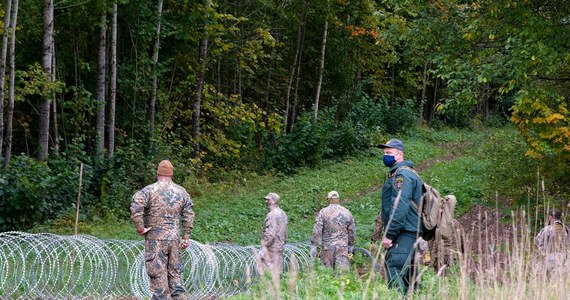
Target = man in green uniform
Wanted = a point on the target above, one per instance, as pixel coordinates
(156, 211)
(401, 221)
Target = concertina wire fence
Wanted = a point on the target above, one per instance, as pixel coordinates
(50, 266)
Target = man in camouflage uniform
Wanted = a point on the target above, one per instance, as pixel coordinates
(400, 219)
(156, 211)
(273, 236)
(335, 228)
(553, 241)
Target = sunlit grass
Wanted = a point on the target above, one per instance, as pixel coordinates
(513, 270)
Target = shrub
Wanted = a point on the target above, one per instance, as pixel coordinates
(33, 192)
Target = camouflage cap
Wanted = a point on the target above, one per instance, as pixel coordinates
(273, 196)
(333, 195)
(165, 168)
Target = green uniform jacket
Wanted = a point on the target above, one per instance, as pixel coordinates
(409, 186)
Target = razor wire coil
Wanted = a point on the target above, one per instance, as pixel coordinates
(50, 266)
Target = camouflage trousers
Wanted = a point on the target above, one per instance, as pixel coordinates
(164, 269)
(553, 262)
(336, 258)
(273, 261)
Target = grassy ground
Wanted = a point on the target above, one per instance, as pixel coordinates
(234, 212)
(454, 161)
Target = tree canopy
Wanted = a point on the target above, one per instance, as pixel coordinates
(227, 86)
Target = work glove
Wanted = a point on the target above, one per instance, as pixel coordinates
(313, 251)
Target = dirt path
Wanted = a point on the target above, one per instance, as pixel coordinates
(453, 150)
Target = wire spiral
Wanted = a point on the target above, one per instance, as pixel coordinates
(50, 266)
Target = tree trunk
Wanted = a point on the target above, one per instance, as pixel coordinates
(424, 87)
(47, 68)
(321, 68)
(298, 74)
(12, 78)
(203, 54)
(393, 98)
(54, 104)
(297, 80)
(296, 62)
(155, 67)
(101, 84)
(432, 109)
(218, 74)
(8, 9)
(113, 87)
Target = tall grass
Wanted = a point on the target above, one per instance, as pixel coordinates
(513, 269)
(470, 164)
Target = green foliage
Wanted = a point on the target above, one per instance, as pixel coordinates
(233, 130)
(309, 143)
(33, 192)
(36, 82)
(303, 146)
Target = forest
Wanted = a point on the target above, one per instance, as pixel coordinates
(101, 91)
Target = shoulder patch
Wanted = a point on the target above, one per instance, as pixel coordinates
(399, 183)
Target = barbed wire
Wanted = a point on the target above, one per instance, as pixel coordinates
(50, 266)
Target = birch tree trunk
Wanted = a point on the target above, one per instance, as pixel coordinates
(296, 61)
(297, 80)
(203, 54)
(155, 67)
(47, 68)
(113, 87)
(12, 80)
(8, 9)
(4, 53)
(321, 68)
(101, 72)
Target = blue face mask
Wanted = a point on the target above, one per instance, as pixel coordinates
(389, 160)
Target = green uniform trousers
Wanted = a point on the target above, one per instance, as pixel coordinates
(400, 266)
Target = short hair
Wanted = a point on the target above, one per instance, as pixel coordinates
(555, 213)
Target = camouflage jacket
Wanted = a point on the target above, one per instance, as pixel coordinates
(274, 234)
(553, 238)
(335, 226)
(161, 206)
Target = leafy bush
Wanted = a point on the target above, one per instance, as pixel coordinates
(33, 191)
(309, 143)
(303, 146)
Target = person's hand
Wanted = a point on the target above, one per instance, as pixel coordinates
(261, 254)
(185, 243)
(313, 251)
(387, 243)
(143, 230)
